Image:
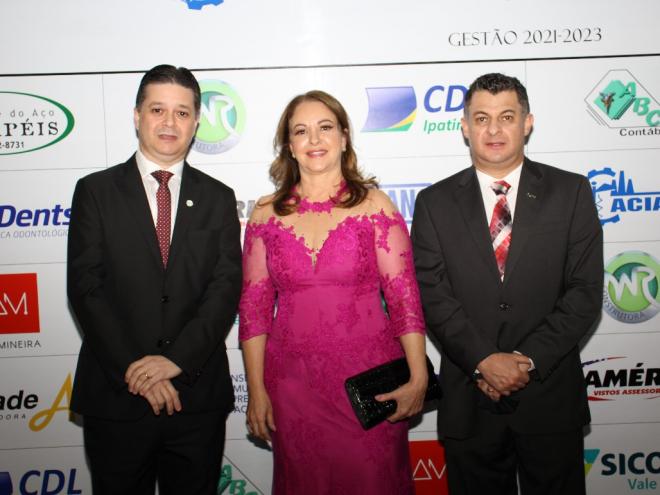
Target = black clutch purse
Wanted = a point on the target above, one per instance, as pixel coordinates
(363, 387)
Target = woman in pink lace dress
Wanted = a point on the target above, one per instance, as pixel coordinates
(318, 253)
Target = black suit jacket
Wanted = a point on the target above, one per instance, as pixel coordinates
(129, 306)
(550, 297)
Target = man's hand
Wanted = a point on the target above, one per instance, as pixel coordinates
(163, 395)
(492, 394)
(144, 373)
(506, 372)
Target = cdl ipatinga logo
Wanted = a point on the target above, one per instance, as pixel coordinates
(621, 101)
(222, 119)
(404, 196)
(631, 290)
(620, 377)
(41, 482)
(390, 109)
(615, 195)
(394, 108)
(31, 122)
(198, 4)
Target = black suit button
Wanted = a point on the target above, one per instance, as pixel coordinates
(504, 306)
(165, 299)
(163, 342)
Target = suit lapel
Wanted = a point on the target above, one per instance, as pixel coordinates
(188, 203)
(528, 203)
(468, 196)
(130, 185)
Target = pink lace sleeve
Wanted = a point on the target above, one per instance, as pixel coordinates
(258, 294)
(397, 273)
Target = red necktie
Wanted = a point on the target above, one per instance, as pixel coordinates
(501, 224)
(164, 217)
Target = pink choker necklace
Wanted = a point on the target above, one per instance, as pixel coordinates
(321, 206)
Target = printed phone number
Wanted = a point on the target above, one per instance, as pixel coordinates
(526, 37)
(11, 145)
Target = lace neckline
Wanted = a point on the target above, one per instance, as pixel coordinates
(321, 206)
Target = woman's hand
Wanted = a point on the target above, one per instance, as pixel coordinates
(409, 398)
(260, 415)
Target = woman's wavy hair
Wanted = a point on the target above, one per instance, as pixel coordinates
(284, 171)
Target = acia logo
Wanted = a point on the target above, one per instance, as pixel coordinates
(31, 122)
(615, 195)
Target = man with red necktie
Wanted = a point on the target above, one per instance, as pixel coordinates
(509, 259)
(154, 277)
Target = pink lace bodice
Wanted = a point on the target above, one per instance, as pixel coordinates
(360, 256)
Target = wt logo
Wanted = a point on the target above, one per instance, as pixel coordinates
(19, 303)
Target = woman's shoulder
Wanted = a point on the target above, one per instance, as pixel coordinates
(263, 210)
(379, 202)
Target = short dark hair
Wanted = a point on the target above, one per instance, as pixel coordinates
(163, 74)
(495, 83)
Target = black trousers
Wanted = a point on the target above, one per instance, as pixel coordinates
(182, 452)
(492, 461)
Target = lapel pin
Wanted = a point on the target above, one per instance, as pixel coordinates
(531, 196)
(189, 203)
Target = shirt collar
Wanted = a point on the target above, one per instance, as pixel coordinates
(513, 178)
(146, 166)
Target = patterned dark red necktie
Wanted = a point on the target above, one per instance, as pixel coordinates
(501, 224)
(164, 217)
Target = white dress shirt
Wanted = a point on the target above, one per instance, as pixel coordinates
(490, 199)
(146, 167)
(489, 196)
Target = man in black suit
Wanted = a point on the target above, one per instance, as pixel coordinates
(154, 313)
(511, 277)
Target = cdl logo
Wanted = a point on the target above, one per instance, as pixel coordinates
(427, 458)
(35, 482)
(19, 303)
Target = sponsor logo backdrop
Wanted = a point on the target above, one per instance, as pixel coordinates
(66, 110)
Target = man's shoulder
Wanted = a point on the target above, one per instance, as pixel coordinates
(106, 175)
(448, 183)
(551, 172)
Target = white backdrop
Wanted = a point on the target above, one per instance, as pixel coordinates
(68, 79)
